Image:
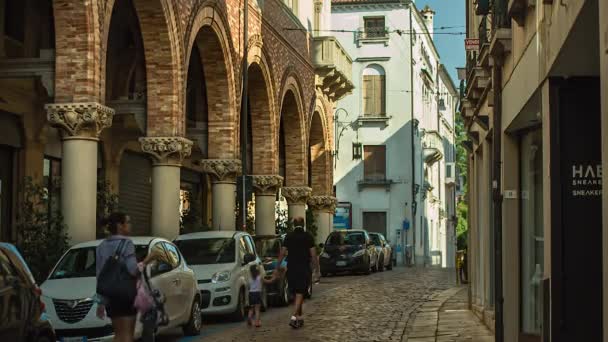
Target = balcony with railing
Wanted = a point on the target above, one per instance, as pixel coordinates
(432, 147)
(333, 67)
(372, 35)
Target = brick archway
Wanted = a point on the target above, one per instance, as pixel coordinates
(293, 123)
(210, 37)
(124, 63)
(164, 67)
(319, 154)
(77, 51)
(263, 127)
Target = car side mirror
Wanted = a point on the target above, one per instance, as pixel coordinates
(248, 258)
(163, 267)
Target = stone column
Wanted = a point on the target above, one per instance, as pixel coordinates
(265, 187)
(168, 154)
(296, 200)
(80, 125)
(223, 173)
(323, 208)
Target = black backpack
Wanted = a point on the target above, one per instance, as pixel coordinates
(114, 281)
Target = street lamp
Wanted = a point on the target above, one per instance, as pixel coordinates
(339, 128)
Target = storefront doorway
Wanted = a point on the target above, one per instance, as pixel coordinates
(576, 210)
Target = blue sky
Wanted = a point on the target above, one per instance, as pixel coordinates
(450, 47)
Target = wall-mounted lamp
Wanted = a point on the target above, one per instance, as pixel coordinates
(357, 150)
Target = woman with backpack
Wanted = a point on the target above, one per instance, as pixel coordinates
(117, 272)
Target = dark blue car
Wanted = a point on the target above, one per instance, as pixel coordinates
(22, 316)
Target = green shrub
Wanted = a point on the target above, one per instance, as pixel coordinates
(42, 237)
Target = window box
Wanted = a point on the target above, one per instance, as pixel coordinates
(374, 183)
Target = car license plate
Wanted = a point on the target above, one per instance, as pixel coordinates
(340, 263)
(74, 339)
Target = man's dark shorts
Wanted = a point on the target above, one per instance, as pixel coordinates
(298, 279)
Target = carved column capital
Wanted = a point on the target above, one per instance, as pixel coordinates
(222, 170)
(166, 150)
(266, 184)
(323, 203)
(79, 120)
(296, 195)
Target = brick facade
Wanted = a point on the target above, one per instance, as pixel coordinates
(281, 86)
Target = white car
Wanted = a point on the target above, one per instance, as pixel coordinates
(221, 261)
(69, 290)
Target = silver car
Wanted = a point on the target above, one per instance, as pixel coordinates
(384, 252)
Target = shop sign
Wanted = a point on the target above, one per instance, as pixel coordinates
(471, 44)
(342, 217)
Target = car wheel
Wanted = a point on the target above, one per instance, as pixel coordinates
(324, 274)
(239, 313)
(194, 325)
(381, 264)
(375, 267)
(390, 262)
(368, 268)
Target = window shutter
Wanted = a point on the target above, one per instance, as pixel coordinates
(380, 162)
(368, 162)
(367, 95)
(374, 162)
(382, 94)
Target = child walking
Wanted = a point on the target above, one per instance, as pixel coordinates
(255, 295)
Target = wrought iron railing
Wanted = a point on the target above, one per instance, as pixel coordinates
(373, 33)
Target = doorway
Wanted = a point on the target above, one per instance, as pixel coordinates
(375, 222)
(576, 210)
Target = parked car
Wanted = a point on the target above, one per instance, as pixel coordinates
(268, 248)
(348, 251)
(22, 313)
(384, 251)
(221, 262)
(69, 291)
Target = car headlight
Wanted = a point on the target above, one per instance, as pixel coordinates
(359, 253)
(324, 255)
(220, 277)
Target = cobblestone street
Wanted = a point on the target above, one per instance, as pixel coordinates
(348, 308)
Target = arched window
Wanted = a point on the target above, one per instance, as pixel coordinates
(374, 91)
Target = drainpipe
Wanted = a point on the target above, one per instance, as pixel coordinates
(413, 251)
(497, 144)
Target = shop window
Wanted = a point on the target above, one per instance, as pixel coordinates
(374, 162)
(532, 236)
(51, 174)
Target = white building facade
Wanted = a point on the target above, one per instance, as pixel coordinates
(394, 135)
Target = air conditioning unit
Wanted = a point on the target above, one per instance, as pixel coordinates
(450, 173)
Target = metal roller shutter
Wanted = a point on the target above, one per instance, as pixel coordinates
(136, 191)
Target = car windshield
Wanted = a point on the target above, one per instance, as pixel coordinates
(207, 251)
(346, 238)
(81, 263)
(375, 239)
(268, 248)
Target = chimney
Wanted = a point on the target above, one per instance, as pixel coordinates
(427, 15)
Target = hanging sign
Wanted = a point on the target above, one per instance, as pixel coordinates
(471, 44)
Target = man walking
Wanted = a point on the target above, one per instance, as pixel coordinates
(300, 246)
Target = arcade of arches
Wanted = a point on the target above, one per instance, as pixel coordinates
(143, 97)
